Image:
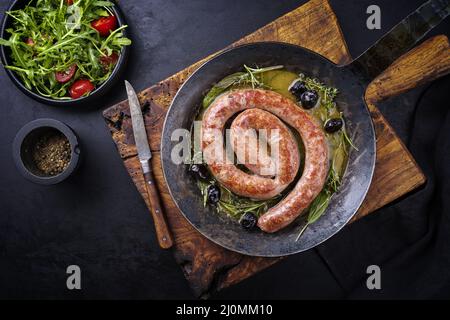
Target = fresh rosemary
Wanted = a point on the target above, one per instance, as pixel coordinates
(251, 77)
(233, 205)
(327, 94)
(237, 206)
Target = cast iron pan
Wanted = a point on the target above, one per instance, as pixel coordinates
(351, 80)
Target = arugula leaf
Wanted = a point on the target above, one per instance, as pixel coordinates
(102, 4)
(5, 43)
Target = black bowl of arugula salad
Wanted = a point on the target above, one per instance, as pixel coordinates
(64, 52)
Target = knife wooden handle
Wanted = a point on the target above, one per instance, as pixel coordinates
(162, 230)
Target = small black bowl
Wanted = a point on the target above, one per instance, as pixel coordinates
(94, 95)
(28, 136)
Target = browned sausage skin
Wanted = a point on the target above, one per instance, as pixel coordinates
(260, 187)
(284, 161)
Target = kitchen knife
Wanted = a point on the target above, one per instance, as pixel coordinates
(145, 155)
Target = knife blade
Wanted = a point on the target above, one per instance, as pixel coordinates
(140, 135)
(144, 154)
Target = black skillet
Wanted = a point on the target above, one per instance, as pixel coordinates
(351, 80)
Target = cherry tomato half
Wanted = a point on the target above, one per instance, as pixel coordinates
(30, 42)
(65, 76)
(105, 25)
(107, 61)
(80, 88)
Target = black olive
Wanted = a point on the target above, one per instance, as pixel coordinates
(213, 194)
(298, 88)
(333, 125)
(309, 99)
(199, 171)
(248, 221)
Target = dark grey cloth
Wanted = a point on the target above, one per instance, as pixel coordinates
(410, 240)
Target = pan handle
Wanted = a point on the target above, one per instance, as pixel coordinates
(401, 38)
(426, 62)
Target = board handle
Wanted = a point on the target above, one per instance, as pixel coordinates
(401, 38)
(425, 63)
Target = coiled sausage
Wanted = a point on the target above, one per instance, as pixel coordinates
(255, 185)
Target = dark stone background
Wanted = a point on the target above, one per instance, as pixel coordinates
(97, 220)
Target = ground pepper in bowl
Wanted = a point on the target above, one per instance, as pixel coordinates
(51, 153)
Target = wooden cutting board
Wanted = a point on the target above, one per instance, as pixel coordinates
(209, 267)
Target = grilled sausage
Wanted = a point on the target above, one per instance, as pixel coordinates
(254, 129)
(256, 185)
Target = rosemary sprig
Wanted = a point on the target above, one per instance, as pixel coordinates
(326, 93)
(251, 76)
(234, 205)
(237, 206)
(347, 139)
(236, 210)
